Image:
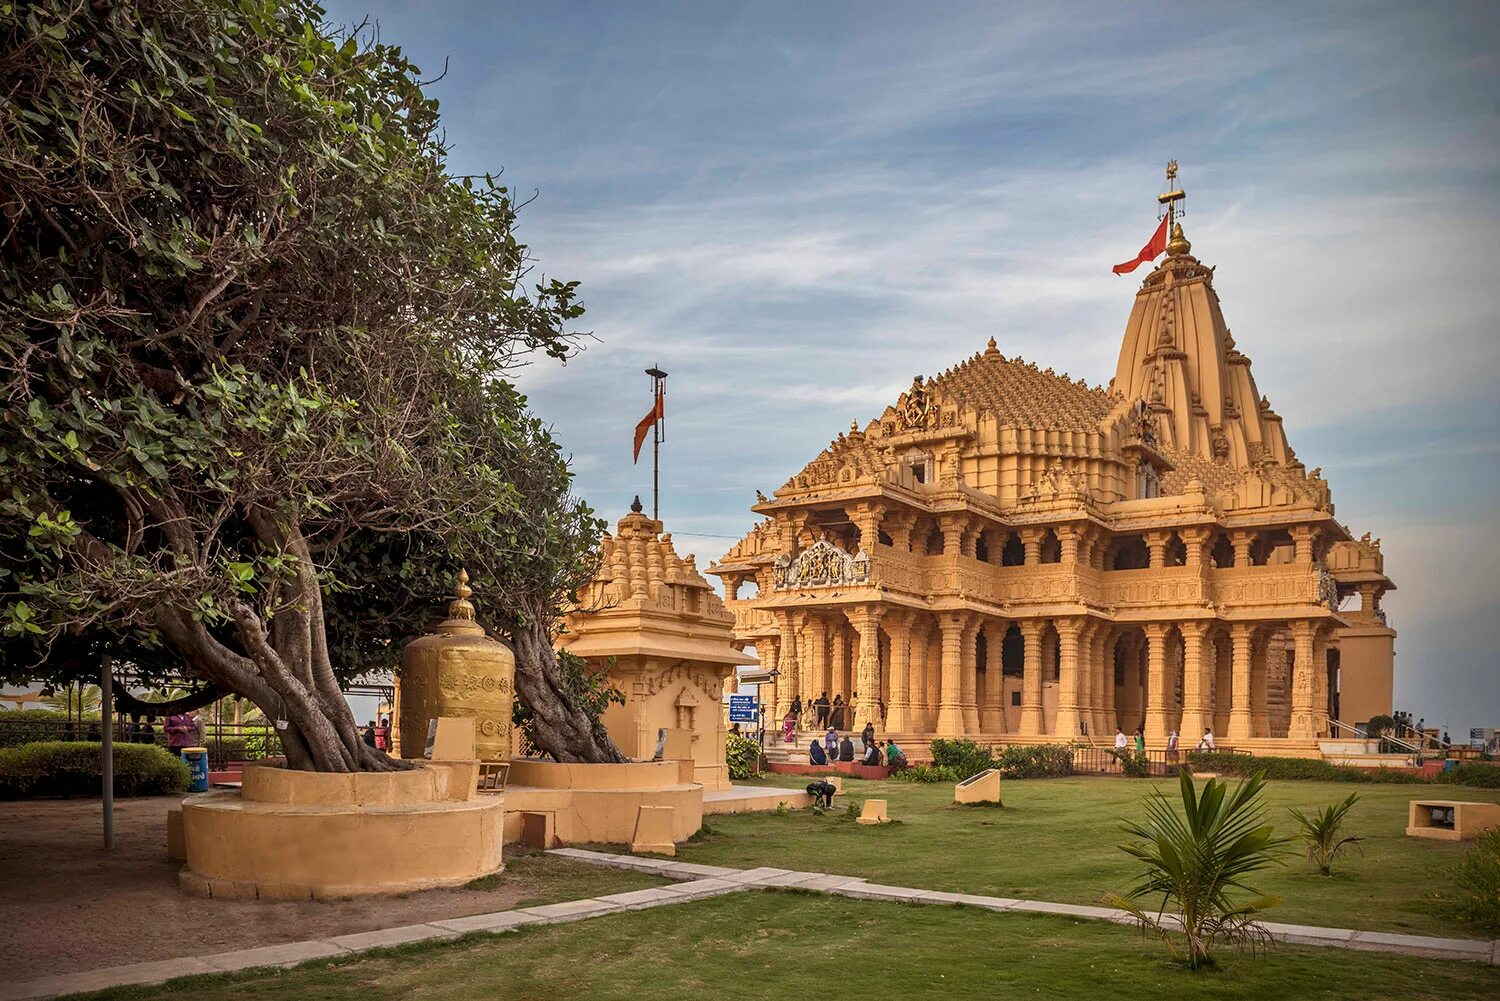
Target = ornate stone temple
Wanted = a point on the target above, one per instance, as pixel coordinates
(1012, 555)
(654, 623)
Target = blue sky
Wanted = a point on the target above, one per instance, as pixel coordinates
(794, 208)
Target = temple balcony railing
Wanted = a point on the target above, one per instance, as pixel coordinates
(749, 619)
(1271, 585)
(1153, 587)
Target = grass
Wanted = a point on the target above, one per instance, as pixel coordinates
(759, 944)
(549, 879)
(1056, 839)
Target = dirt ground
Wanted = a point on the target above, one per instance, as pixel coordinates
(67, 905)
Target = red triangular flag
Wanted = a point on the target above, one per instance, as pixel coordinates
(1153, 248)
(644, 427)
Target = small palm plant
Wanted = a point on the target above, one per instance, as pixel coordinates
(1195, 861)
(1324, 835)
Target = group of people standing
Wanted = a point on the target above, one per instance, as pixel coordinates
(834, 715)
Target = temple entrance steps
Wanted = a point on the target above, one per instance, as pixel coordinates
(1362, 754)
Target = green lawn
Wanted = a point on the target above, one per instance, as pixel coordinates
(1056, 839)
(760, 944)
(539, 878)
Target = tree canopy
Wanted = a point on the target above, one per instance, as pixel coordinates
(254, 339)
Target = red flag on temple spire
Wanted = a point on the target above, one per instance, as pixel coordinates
(1154, 248)
(658, 411)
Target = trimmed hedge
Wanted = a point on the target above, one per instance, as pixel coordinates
(1472, 773)
(1294, 768)
(75, 768)
(957, 760)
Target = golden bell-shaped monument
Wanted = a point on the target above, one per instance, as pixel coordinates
(457, 670)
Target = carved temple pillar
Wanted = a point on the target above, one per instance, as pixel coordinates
(1196, 682)
(1304, 723)
(954, 527)
(1104, 682)
(1196, 541)
(1068, 635)
(1156, 546)
(867, 517)
(1068, 537)
(1260, 681)
(768, 648)
(788, 685)
(950, 716)
(1156, 681)
(817, 655)
(898, 705)
(1239, 706)
(1303, 538)
(1321, 711)
(866, 621)
(1031, 680)
(992, 701)
(1241, 541)
(898, 525)
(1031, 540)
(969, 698)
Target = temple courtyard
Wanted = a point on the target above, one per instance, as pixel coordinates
(769, 920)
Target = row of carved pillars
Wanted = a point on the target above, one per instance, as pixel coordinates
(923, 670)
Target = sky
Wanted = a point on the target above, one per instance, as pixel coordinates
(793, 208)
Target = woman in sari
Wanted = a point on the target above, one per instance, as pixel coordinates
(789, 729)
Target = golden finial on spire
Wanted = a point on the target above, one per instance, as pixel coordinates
(1172, 195)
(460, 607)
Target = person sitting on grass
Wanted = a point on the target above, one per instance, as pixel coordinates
(822, 793)
(815, 755)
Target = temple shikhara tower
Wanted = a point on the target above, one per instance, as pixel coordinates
(1012, 555)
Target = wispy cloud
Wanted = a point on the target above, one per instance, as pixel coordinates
(795, 208)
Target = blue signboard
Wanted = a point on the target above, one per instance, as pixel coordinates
(742, 709)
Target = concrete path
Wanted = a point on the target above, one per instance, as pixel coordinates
(695, 883)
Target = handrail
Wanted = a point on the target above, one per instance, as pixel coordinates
(1340, 725)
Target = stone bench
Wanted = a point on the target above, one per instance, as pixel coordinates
(1450, 820)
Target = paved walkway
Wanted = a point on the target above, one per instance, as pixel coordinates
(696, 883)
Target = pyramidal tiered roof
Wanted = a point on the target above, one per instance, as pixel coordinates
(1181, 385)
(1019, 393)
(645, 600)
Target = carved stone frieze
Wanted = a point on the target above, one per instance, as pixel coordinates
(821, 565)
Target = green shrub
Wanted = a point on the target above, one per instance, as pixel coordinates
(963, 758)
(926, 774)
(742, 755)
(1132, 762)
(74, 768)
(1472, 774)
(1293, 768)
(1478, 879)
(1196, 866)
(1323, 833)
(1036, 761)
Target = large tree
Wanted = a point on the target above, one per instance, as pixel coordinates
(253, 340)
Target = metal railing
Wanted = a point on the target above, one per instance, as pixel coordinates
(1089, 760)
(1338, 727)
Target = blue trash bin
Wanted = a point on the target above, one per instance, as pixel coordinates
(1449, 764)
(197, 762)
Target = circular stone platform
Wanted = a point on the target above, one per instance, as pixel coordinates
(290, 835)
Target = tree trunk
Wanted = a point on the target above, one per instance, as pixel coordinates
(560, 727)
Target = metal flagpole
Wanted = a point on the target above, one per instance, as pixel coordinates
(658, 433)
